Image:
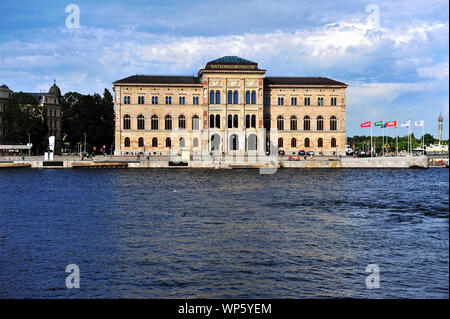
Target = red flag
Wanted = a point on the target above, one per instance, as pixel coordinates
(391, 124)
(366, 124)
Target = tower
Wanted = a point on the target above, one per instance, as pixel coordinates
(440, 125)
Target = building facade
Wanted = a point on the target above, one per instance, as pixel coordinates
(230, 107)
(5, 95)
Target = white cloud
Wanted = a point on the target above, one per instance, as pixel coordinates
(438, 71)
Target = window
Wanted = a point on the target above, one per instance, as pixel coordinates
(333, 101)
(195, 100)
(254, 121)
(168, 122)
(230, 97)
(252, 142)
(280, 142)
(126, 122)
(182, 100)
(247, 97)
(211, 97)
(141, 142)
(307, 101)
(234, 143)
(217, 97)
(306, 123)
(230, 121)
(195, 142)
(181, 122)
(320, 123)
(320, 142)
(267, 100)
(280, 123)
(253, 97)
(140, 100)
(154, 142)
(320, 101)
(281, 101)
(235, 97)
(247, 121)
(235, 121)
(168, 100)
(141, 122)
(195, 123)
(127, 142)
(182, 142)
(217, 121)
(211, 121)
(168, 142)
(126, 100)
(333, 123)
(293, 142)
(293, 101)
(306, 142)
(333, 142)
(154, 122)
(293, 123)
(154, 100)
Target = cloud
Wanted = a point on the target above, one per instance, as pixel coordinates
(438, 71)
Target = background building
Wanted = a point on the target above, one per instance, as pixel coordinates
(229, 107)
(5, 95)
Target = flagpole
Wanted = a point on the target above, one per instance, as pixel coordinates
(382, 129)
(396, 137)
(423, 138)
(371, 147)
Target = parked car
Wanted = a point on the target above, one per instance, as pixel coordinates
(301, 153)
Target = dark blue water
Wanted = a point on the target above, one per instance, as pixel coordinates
(224, 233)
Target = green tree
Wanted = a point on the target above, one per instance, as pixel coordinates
(24, 115)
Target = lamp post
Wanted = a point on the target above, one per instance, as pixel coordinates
(29, 144)
(85, 142)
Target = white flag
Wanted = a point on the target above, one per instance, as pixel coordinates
(406, 124)
(418, 123)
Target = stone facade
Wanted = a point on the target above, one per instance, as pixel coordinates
(5, 95)
(229, 107)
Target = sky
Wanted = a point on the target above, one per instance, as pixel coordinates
(394, 55)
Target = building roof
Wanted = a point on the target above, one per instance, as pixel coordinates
(4, 86)
(54, 90)
(232, 59)
(231, 62)
(286, 80)
(159, 79)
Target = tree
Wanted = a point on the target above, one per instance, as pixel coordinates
(24, 115)
(90, 114)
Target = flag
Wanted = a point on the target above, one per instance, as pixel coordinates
(366, 124)
(391, 124)
(406, 124)
(418, 123)
(379, 123)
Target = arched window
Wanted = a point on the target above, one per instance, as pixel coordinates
(307, 101)
(247, 121)
(254, 121)
(195, 123)
(217, 97)
(333, 142)
(234, 143)
(154, 122)
(230, 97)
(235, 121)
(280, 142)
(280, 123)
(127, 142)
(211, 120)
(141, 142)
(217, 121)
(211, 97)
(235, 97)
(253, 97)
(230, 121)
(293, 142)
(320, 123)
(168, 122)
(182, 142)
(195, 142)
(306, 123)
(141, 122)
(181, 122)
(247, 97)
(293, 123)
(320, 142)
(126, 122)
(307, 142)
(168, 142)
(154, 142)
(333, 123)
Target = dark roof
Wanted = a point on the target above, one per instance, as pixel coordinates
(159, 79)
(284, 80)
(231, 62)
(54, 90)
(4, 86)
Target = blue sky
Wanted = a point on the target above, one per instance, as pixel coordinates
(393, 54)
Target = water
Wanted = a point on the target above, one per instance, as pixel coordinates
(175, 233)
